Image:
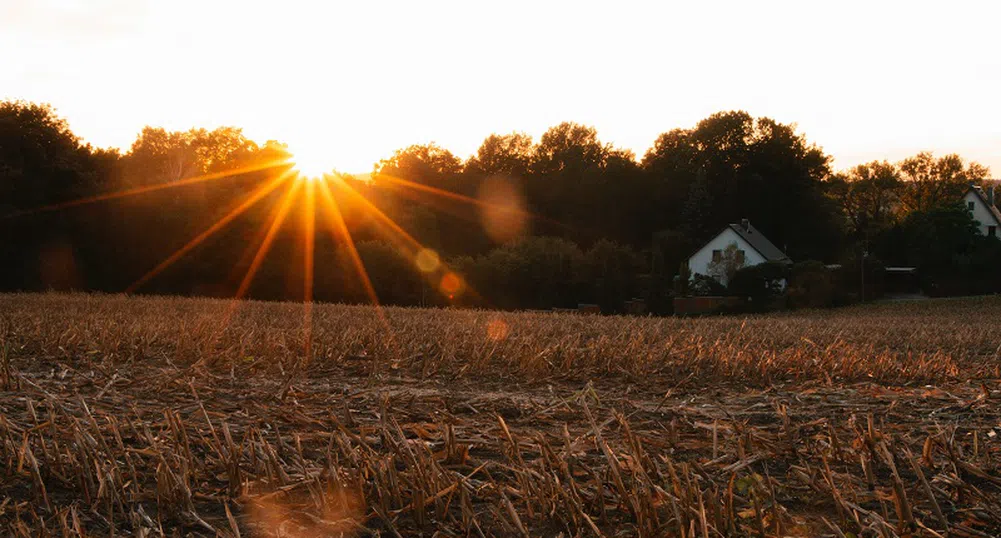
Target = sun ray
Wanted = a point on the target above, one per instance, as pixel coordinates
(410, 246)
(426, 188)
(309, 244)
(339, 230)
(151, 188)
(262, 251)
(309, 236)
(442, 193)
(250, 253)
(252, 199)
(251, 245)
(399, 236)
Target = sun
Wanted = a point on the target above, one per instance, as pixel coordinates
(312, 163)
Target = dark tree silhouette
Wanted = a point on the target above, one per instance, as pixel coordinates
(603, 227)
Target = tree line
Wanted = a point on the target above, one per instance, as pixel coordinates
(527, 223)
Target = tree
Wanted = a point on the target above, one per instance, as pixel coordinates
(161, 156)
(41, 160)
(535, 272)
(426, 164)
(611, 274)
(762, 284)
(682, 280)
(730, 261)
(587, 187)
(811, 285)
(749, 168)
(933, 238)
(507, 155)
(403, 187)
(570, 148)
(697, 212)
(42, 163)
(929, 182)
(868, 197)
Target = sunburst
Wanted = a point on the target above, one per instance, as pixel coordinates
(306, 180)
(312, 163)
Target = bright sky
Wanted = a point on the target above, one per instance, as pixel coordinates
(352, 81)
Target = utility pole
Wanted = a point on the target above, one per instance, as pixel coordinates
(865, 254)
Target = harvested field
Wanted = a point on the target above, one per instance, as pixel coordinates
(187, 417)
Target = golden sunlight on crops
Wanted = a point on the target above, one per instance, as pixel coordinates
(152, 417)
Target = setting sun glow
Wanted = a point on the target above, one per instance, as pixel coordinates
(312, 163)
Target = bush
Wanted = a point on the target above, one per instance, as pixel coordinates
(812, 285)
(762, 284)
(547, 272)
(705, 286)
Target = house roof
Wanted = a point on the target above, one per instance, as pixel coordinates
(760, 243)
(987, 203)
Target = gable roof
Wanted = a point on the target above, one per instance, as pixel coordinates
(760, 243)
(987, 203)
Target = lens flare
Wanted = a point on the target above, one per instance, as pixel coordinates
(502, 210)
(497, 329)
(451, 284)
(427, 260)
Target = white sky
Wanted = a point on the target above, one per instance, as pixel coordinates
(352, 81)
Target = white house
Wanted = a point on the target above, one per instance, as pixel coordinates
(981, 206)
(752, 248)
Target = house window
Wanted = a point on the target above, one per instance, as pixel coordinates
(969, 205)
(740, 258)
(992, 231)
(717, 256)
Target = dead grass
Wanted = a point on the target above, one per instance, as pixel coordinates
(164, 416)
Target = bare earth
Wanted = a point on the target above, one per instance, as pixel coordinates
(173, 417)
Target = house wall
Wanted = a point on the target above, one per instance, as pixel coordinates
(699, 262)
(981, 213)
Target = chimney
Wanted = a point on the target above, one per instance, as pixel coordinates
(746, 225)
(991, 198)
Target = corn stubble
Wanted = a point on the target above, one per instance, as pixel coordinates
(187, 417)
